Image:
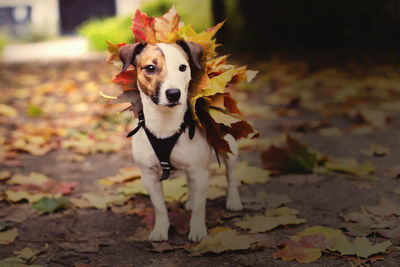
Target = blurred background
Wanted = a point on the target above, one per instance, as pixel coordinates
(262, 26)
(329, 76)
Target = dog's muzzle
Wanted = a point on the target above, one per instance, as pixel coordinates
(173, 95)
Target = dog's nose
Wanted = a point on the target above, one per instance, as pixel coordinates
(173, 94)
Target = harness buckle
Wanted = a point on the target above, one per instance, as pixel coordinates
(165, 165)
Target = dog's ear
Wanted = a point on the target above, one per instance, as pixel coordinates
(194, 51)
(128, 53)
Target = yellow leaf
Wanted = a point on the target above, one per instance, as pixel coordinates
(15, 196)
(124, 175)
(8, 237)
(270, 220)
(8, 111)
(33, 178)
(228, 240)
(221, 117)
(102, 202)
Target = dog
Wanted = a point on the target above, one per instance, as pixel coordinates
(164, 72)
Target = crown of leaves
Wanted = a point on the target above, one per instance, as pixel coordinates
(212, 106)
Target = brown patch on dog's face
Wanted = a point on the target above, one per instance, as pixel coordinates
(151, 71)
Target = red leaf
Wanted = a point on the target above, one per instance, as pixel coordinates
(126, 79)
(141, 26)
(292, 158)
(316, 241)
(240, 129)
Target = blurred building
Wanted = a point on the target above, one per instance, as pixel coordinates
(19, 18)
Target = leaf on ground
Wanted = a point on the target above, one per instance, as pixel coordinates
(133, 188)
(141, 234)
(295, 157)
(4, 175)
(306, 246)
(29, 253)
(103, 202)
(349, 166)
(215, 192)
(300, 179)
(8, 236)
(8, 111)
(376, 150)
(361, 247)
(175, 189)
(124, 175)
(328, 232)
(164, 246)
(385, 208)
(15, 196)
(50, 205)
(264, 200)
(247, 174)
(228, 240)
(270, 220)
(33, 178)
(294, 251)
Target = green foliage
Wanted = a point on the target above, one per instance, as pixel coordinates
(2, 42)
(197, 13)
(115, 29)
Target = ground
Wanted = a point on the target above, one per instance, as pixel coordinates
(81, 139)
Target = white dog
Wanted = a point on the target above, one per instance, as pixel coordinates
(163, 78)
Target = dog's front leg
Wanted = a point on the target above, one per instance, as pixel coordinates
(155, 189)
(199, 186)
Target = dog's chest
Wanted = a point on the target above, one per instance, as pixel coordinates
(186, 154)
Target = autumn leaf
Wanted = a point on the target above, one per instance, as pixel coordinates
(50, 205)
(8, 237)
(141, 26)
(33, 178)
(8, 111)
(295, 157)
(361, 247)
(124, 175)
(350, 166)
(270, 220)
(228, 240)
(306, 246)
(4, 175)
(386, 207)
(294, 251)
(102, 202)
(127, 80)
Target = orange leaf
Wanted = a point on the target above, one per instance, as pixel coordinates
(294, 251)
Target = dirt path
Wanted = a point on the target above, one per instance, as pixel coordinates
(83, 142)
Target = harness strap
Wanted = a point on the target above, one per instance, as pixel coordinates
(163, 146)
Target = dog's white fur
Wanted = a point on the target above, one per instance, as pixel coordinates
(190, 156)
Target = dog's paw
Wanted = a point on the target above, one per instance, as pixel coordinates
(188, 205)
(197, 232)
(159, 234)
(233, 202)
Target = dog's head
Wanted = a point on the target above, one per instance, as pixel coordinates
(163, 70)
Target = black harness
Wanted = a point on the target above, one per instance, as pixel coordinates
(163, 146)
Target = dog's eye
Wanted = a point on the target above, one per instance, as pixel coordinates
(182, 67)
(150, 69)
